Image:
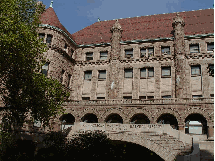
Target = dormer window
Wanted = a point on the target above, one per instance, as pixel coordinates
(49, 39)
(210, 47)
(165, 50)
(89, 56)
(194, 48)
(129, 53)
(103, 55)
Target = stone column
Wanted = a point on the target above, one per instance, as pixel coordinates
(135, 89)
(113, 84)
(179, 58)
(211, 132)
(94, 84)
(157, 71)
(205, 80)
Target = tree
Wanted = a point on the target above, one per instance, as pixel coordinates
(25, 91)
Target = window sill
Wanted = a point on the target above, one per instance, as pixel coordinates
(195, 75)
(165, 76)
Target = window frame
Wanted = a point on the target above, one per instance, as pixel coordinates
(87, 56)
(99, 75)
(127, 55)
(209, 43)
(127, 97)
(103, 56)
(85, 98)
(193, 75)
(165, 76)
(47, 39)
(131, 69)
(166, 96)
(197, 44)
(147, 72)
(163, 47)
(45, 69)
(87, 72)
(147, 52)
(43, 38)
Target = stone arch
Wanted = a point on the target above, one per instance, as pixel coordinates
(167, 118)
(114, 118)
(200, 122)
(113, 111)
(197, 110)
(86, 111)
(138, 111)
(161, 111)
(159, 149)
(89, 118)
(66, 120)
(139, 118)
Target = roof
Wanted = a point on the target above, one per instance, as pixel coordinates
(137, 28)
(147, 27)
(49, 17)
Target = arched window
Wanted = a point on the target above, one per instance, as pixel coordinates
(168, 119)
(140, 119)
(67, 120)
(90, 118)
(114, 118)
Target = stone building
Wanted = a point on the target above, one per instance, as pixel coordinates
(151, 69)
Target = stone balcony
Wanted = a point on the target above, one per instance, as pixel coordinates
(143, 101)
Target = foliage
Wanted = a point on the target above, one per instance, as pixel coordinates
(25, 91)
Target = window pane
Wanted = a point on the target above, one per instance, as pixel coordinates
(165, 50)
(103, 55)
(166, 71)
(196, 96)
(142, 97)
(210, 46)
(100, 97)
(89, 56)
(102, 74)
(195, 70)
(127, 97)
(150, 51)
(129, 53)
(42, 36)
(49, 39)
(167, 96)
(143, 52)
(45, 69)
(128, 73)
(88, 75)
(150, 97)
(150, 72)
(143, 73)
(194, 48)
(85, 98)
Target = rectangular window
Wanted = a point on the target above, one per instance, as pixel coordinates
(165, 50)
(150, 72)
(167, 96)
(88, 75)
(103, 55)
(42, 36)
(62, 75)
(194, 48)
(212, 95)
(100, 98)
(65, 46)
(146, 72)
(196, 70)
(150, 52)
(142, 97)
(102, 74)
(45, 69)
(210, 47)
(49, 39)
(211, 69)
(166, 71)
(196, 96)
(85, 98)
(89, 56)
(128, 73)
(127, 97)
(129, 53)
(150, 97)
(146, 52)
(142, 53)
(143, 73)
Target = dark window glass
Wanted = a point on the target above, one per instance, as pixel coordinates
(49, 39)
(196, 70)
(88, 75)
(128, 73)
(166, 71)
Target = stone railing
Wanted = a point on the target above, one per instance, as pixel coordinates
(139, 101)
(133, 128)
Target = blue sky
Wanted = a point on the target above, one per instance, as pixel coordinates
(77, 14)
